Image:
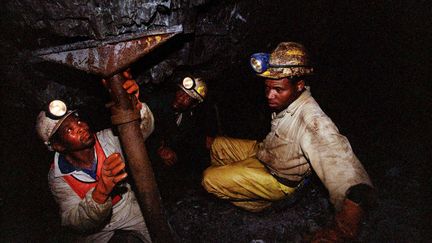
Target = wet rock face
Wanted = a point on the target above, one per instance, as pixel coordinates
(32, 25)
(212, 39)
(58, 22)
(92, 19)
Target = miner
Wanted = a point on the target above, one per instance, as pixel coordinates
(303, 140)
(88, 177)
(179, 133)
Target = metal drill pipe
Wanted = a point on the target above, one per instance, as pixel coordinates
(140, 167)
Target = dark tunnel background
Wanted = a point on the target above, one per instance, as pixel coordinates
(372, 60)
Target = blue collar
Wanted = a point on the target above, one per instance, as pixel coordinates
(66, 167)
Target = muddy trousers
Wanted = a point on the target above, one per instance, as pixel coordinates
(237, 175)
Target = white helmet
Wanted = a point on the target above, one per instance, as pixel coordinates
(195, 88)
(47, 123)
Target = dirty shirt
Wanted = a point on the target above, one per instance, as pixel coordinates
(302, 138)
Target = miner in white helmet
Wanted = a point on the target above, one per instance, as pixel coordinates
(87, 177)
(302, 140)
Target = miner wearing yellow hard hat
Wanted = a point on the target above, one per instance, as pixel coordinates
(303, 140)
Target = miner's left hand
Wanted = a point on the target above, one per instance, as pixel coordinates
(130, 85)
(346, 225)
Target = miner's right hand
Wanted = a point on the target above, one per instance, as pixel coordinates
(111, 174)
(168, 156)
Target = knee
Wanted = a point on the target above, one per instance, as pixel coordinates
(208, 179)
(216, 179)
(218, 143)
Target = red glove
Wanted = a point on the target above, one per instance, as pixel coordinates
(346, 225)
(111, 174)
(130, 85)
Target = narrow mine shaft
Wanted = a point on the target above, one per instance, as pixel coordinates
(364, 63)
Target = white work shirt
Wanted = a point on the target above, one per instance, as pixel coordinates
(302, 136)
(97, 222)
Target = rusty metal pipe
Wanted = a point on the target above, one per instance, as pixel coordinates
(137, 157)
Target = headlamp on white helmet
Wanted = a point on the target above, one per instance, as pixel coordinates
(194, 87)
(56, 109)
(49, 121)
(188, 83)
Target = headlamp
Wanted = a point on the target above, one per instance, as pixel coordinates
(188, 83)
(260, 62)
(194, 87)
(56, 109)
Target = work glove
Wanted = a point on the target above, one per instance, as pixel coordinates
(112, 173)
(345, 227)
(130, 85)
(168, 156)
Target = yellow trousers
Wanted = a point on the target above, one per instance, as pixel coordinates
(237, 175)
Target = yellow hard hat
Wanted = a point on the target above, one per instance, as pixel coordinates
(289, 59)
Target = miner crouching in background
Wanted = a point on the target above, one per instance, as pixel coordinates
(87, 177)
(302, 139)
(181, 127)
